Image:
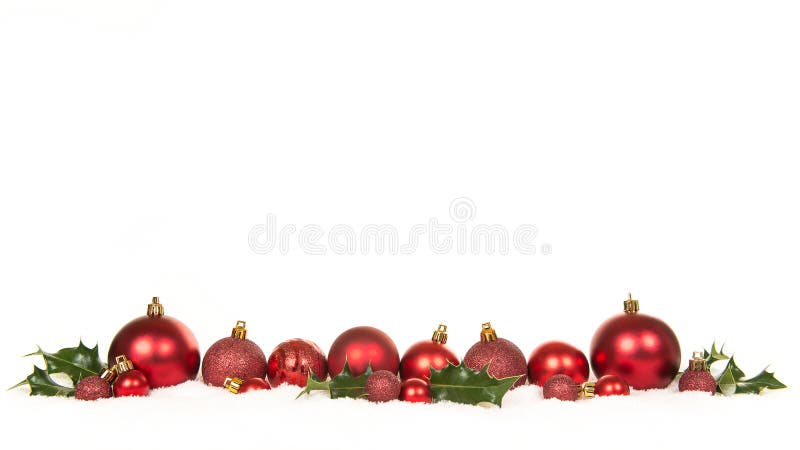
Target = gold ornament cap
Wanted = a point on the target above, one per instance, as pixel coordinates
(233, 384)
(587, 390)
(487, 333)
(123, 364)
(239, 331)
(631, 305)
(155, 309)
(109, 374)
(440, 334)
(698, 362)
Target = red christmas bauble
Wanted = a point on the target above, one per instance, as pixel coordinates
(363, 346)
(254, 384)
(505, 359)
(129, 381)
(382, 386)
(697, 377)
(611, 385)
(163, 348)
(641, 349)
(92, 388)
(415, 390)
(234, 356)
(293, 360)
(420, 357)
(556, 357)
(562, 387)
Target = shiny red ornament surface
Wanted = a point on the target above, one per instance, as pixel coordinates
(562, 387)
(132, 383)
(293, 360)
(362, 346)
(420, 357)
(382, 386)
(254, 384)
(505, 359)
(233, 357)
(92, 388)
(163, 348)
(415, 390)
(641, 349)
(555, 357)
(697, 380)
(611, 385)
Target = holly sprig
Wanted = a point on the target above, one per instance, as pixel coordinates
(460, 384)
(75, 362)
(732, 380)
(343, 385)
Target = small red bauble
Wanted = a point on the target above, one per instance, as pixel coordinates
(415, 390)
(641, 349)
(163, 348)
(93, 388)
(234, 356)
(382, 386)
(562, 387)
(504, 358)
(237, 386)
(363, 346)
(556, 357)
(293, 360)
(697, 377)
(420, 357)
(130, 382)
(609, 385)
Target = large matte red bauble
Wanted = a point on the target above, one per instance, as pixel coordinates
(131, 383)
(382, 386)
(420, 357)
(163, 348)
(611, 385)
(293, 360)
(556, 357)
(641, 349)
(234, 356)
(362, 346)
(254, 384)
(92, 388)
(415, 390)
(505, 359)
(562, 387)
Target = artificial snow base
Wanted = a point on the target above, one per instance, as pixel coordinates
(196, 416)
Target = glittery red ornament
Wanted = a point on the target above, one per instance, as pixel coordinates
(293, 360)
(611, 385)
(415, 390)
(161, 347)
(362, 346)
(420, 357)
(504, 358)
(382, 386)
(562, 387)
(641, 349)
(234, 356)
(130, 382)
(92, 388)
(237, 386)
(697, 377)
(556, 357)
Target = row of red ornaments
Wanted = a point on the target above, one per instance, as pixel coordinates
(640, 349)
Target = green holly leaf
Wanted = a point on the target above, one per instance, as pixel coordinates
(726, 381)
(342, 385)
(76, 362)
(461, 384)
(41, 384)
(764, 380)
(714, 355)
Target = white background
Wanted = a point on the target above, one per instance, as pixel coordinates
(653, 145)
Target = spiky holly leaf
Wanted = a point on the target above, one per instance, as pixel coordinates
(714, 355)
(76, 362)
(726, 381)
(764, 380)
(41, 384)
(461, 384)
(342, 385)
